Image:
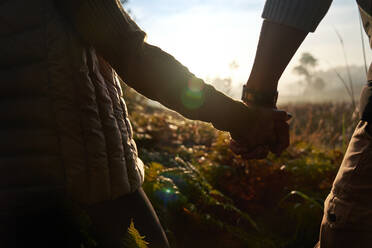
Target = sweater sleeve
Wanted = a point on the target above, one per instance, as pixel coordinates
(302, 14)
(105, 25)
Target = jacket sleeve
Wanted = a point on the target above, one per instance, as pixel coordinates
(105, 25)
(302, 14)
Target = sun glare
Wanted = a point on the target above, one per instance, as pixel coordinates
(207, 44)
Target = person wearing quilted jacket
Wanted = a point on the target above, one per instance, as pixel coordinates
(65, 135)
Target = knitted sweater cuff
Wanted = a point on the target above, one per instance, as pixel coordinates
(302, 14)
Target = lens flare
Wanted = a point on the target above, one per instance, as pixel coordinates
(192, 97)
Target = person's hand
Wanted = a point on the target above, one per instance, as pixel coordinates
(252, 130)
(281, 132)
(247, 152)
(278, 141)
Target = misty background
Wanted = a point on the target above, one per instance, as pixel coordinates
(326, 85)
(217, 39)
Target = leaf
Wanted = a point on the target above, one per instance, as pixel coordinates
(133, 238)
(304, 196)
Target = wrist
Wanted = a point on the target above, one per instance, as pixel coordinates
(220, 109)
(259, 97)
(258, 81)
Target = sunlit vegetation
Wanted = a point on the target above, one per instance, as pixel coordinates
(133, 238)
(206, 196)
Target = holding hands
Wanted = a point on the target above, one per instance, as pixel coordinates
(269, 130)
(265, 130)
(272, 57)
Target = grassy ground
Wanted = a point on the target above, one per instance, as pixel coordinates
(208, 197)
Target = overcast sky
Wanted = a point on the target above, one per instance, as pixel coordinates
(207, 36)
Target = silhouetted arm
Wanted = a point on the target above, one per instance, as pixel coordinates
(286, 25)
(154, 73)
(277, 45)
(106, 26)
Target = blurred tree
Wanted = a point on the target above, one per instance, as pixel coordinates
(306, 68)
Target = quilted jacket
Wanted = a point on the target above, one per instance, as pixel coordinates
(63, 122)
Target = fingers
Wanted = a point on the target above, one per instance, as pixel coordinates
(283, 137)
(236, 148)
(281, 130)
(280, 115)
(259, 152)
(267, 131)
(270, 114)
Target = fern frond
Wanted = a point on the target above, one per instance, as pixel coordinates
(133, 238)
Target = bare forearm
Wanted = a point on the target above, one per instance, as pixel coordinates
(277, 45)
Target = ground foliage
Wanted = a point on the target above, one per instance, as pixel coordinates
(133, 238)
(206, 196)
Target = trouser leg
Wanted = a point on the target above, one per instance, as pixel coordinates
(147, 221)
(112, 219)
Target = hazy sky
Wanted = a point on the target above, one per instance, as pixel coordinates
(208, 35)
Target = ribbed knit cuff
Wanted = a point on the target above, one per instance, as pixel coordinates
(302, 14)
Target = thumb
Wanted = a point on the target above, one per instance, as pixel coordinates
(280, 115)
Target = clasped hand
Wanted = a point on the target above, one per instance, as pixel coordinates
(261, 130)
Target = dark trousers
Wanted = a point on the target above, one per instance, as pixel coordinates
(46, 222)
(111, 219)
